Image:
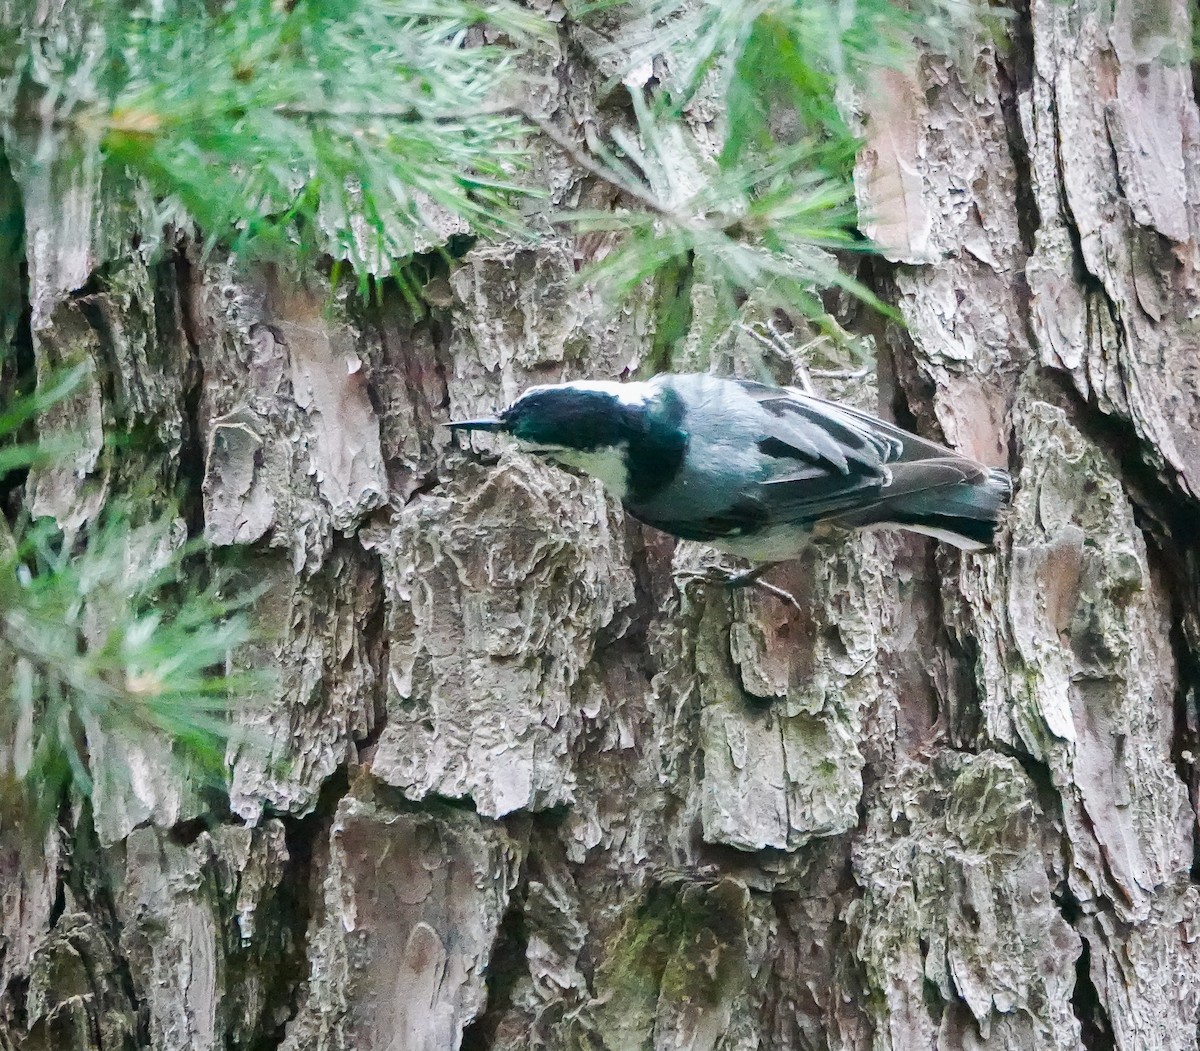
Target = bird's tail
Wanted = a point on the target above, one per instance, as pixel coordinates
(922, 498)
(965, 515)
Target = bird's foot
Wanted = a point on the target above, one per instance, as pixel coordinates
(744, 579)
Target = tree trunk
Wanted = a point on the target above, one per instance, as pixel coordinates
(514, 785)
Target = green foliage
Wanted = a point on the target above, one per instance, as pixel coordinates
(779, 200)
(371, 130)
(106, 636)
(347, 121)
(769, 228)
(363, 128)
(794, 51)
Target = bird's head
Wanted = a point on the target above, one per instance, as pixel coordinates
(584, 425)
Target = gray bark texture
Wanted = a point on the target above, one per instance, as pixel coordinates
(515, 783)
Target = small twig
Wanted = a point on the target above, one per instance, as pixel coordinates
(777, 342)
(780, 346)
(842, 374)
(579, 157)
(753, 333)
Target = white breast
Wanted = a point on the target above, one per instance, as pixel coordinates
(780, 543)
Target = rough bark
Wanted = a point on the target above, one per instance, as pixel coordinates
(513, 786)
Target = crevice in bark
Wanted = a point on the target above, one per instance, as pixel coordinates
(612, 99)
(17, 377)
(875, 273)
(59, 905)
(505, 969)
(1185, 735)
(428, 483)
(185, 285)
(1015, 70)
(191, 452)
(901, 410)
(378, 642)
(1095, 1028)
(931, 995)
(957, 716)
(185, 833)
(16, 333)
(298, 893)
(88, 873)
(1090, 284)
(117, 419)
(907, 393)
(968, 730)
(14, 293)
(93, 284)
(465, 802)
(822, 955)
(1047, 794)
(645, 607)
(393, 798)
(14, 1005)
(1166, 515)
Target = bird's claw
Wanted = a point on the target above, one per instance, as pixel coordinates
(745, 578)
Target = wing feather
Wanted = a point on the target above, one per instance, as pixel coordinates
(823, 461)
(905, 445)
(861, 463)
(820, 432)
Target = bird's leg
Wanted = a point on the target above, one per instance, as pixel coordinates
(746, 578)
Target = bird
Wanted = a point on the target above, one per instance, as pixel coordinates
(751, 469)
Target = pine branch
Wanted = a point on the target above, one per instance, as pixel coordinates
(605, 174)
(103, 635)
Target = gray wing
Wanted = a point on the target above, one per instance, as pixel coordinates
(827, 461)
(820, 433)
(872, 451)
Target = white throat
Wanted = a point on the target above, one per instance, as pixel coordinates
(606, 465)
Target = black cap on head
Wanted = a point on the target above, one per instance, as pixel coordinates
(570, 416)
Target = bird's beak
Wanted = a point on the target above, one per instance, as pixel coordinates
(476, 425)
